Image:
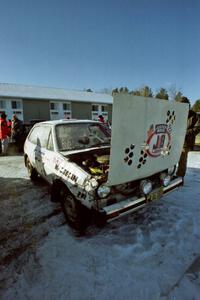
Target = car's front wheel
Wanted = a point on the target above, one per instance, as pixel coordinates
(32, 173)
(76, 215)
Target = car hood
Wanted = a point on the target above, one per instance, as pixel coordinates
(147, 137)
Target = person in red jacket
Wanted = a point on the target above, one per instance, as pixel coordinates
(4, 131)
(101, 119)
(9, 123)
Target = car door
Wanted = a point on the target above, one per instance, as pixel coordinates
(49, 157)
(40, 148)
(33, 148)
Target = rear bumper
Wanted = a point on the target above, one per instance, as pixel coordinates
(127, 206)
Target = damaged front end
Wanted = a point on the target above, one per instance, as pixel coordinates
(126, 198)
(117, 200)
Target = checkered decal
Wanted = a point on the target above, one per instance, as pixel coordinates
(129, 155)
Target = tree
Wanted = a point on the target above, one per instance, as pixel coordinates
(196, 106)
(162, 94)
(115, 91)
(120, 90)
(178, 96)
(174, 93)
(135, 93)
(144, 91)
(123, 89)
(147, 92)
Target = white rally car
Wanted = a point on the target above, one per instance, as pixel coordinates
(90, 171)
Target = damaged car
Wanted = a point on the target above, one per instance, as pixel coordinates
(94, 172)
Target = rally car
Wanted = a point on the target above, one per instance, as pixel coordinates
(94, 172)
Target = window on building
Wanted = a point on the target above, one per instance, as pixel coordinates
(67, 115)
(54, 113)
(95, 107)
(53, 106)
(16, 105)
(66, 106)
(103, 108)
(2, 104)
(19, 113)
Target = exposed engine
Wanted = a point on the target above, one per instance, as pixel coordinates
(98, 165)
(94, 162)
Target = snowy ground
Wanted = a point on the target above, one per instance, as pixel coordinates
(152, 254)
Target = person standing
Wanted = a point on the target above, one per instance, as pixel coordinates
(4, 134)
(101, 119)
(17, 131)
(193, 128)
(9, 123)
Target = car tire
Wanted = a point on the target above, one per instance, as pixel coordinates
(76, 214)
(32, 173)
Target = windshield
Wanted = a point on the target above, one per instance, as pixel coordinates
(77, 136)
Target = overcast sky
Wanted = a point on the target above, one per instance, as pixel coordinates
(77, 44)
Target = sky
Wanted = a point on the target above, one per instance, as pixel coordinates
(76, 44)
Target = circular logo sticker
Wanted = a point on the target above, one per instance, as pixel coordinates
(159, 139)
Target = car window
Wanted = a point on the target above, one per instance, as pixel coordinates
(39, 135)
(81, 135)
(50, 142)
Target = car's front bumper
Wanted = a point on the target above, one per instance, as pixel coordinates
(129, 205)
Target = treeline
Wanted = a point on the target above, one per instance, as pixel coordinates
(162, 93)
(146, 91)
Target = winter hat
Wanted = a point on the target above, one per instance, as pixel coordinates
(184, 100)
(3, 115)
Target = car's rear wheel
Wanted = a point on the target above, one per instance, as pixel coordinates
(76, 214)
(32, 173)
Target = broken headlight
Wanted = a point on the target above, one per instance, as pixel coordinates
(103, 191)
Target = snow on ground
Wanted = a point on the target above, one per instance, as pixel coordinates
(152, 254)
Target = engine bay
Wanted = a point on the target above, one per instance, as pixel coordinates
(95, 162)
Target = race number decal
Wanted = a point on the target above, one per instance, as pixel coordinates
(159, 140)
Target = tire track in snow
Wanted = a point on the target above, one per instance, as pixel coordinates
(27, 216)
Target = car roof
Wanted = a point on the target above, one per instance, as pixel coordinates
(64, 121)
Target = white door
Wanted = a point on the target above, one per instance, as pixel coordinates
(99, 109)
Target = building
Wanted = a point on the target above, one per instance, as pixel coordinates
(33, 102)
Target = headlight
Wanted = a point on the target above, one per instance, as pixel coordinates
(103, 191)
(165, 179)
(146, 186)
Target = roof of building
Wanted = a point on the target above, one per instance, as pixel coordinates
(37, 92)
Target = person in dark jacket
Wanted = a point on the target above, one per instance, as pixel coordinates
(193, 128)
(17, 131)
